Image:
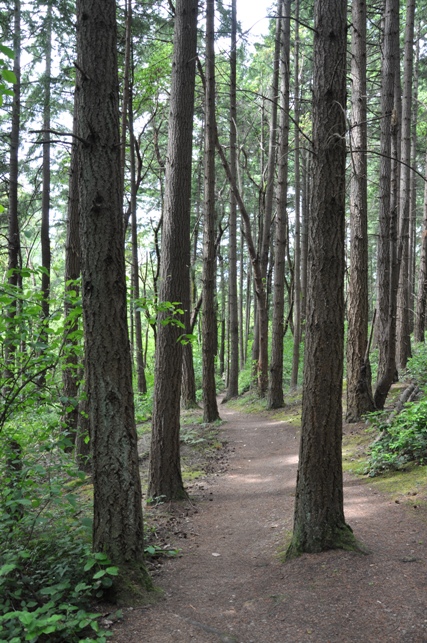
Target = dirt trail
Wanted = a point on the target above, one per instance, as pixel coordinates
(229, 585)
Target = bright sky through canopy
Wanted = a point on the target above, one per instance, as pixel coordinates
(252, 15)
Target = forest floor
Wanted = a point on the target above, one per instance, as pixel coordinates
(230, 585)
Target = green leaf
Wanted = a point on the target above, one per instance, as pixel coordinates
(5, 569)
(72, 500)
(99, 574)
(7, 51)
(113, 571)
(9, 76)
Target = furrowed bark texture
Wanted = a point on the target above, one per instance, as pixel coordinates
(209, 348)
(319, 516)
(359, 394)
(233, 373)
(386, 319)
(275, 398)
(118, 528)
(165, 472)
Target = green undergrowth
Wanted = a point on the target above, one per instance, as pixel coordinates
(49, 577)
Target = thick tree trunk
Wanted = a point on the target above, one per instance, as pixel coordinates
(117, 525)
(209, 344)
(359, 394)
(275, 398)
(319, 522)
(165, 479)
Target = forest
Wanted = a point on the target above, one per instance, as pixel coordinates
(187, 212)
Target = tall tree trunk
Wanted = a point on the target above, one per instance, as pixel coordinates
(209, 345)
(305, 219)
(233, 332)
(117, 525)
(359, 394)
(44, 232)
(297, 241)
(139, 354)
(70, 374)
(420, 317)
(386, 319)
(319, 522)
(14, 243)
(414, 192)
(165, 479)
(275, 398)
(403, 344)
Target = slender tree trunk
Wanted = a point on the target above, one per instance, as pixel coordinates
(71, 374)
(165, 479)
(272, 146)
(386, 318)
(209, 346)
(139, 353)
(275, 391)
(117, 525)
(420, 317)
(233, 333)
(44, 232)
(359, 394)
(319, 522)
(305, 219)
(125, 104)
(14, 243)
(297, 241)
(403, 344)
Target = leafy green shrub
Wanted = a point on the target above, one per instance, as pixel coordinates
(402, 440)
(48, 574)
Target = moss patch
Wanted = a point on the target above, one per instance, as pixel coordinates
(408, 485)
(192, 474)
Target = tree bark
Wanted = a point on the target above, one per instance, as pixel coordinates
(420, 317)
(403, 344)
(275, 398)
(209, 344)
(386, 328)
(319, 522)
(359, 393)
(233, 327)
(44, 232)
(71, 374)
(14, 242)
(117, 525)
(297, 241)
(165, 479)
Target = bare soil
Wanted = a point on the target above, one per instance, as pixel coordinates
(230, 585)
